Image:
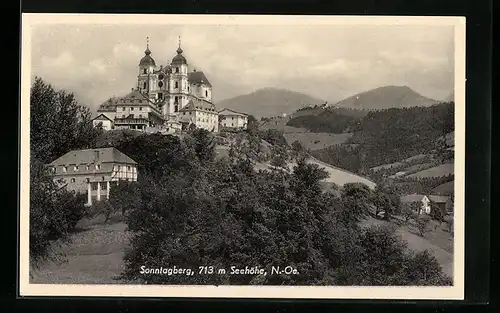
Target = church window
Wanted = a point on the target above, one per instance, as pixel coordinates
(140, 108)
(145, 71)
(177, 70)
(188, 88)
(160, 84)
(176, 108)
(176, 85)
(123, 108)
(160, 96)
(131, 108)
(206, 93)
(144, 85)
(176, 99)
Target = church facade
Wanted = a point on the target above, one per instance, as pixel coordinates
(168, 97)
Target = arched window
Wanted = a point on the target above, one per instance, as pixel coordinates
(144, 86)
(177, 70)
(145, 71)
(206, 93)
(176, 85)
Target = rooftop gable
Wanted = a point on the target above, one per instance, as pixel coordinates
(198, 77)
(227, 111)
(87, 156)
(414, 198)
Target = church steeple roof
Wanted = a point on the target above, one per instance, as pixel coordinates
(147, 60)
(179, 58)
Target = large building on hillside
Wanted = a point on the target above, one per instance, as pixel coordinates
(231, 119)
(93, 171)
(166, 97)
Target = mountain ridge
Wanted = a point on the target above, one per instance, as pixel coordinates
(269, 101)
(386, 97)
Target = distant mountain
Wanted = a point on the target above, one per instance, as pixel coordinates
(385, 98)
(268, 102)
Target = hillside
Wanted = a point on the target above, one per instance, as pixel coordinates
(386, 97)
(268, 102)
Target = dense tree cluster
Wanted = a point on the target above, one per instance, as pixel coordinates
(325, 122)
(202, 211)
(391, 135)
(58, 124)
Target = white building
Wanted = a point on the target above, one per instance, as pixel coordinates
(231, 119)
(419, 203)
(93, 171)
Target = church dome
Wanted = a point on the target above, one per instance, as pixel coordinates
(179, 58)
(147, 60)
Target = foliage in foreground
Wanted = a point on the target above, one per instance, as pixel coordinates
(222, 214)
(58, 124)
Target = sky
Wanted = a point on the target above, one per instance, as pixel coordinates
(328, 62)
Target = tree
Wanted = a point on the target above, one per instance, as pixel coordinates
(423, 224)
(297, 149)
(278, 157)
(204, 145)
(54, 212)
(408, 211)
(356, 202)
(58, 123)
(253, 124)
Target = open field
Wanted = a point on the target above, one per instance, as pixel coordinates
(315, 141)
(437, 171)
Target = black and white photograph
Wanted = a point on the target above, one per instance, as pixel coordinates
(242, 156)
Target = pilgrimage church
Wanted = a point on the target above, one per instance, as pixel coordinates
(168, 98)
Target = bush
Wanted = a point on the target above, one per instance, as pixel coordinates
(54, 212)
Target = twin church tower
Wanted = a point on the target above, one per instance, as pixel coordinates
(172, 85)
(169, 97)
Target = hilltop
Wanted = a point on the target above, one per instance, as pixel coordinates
(386, 97)
(269, 102)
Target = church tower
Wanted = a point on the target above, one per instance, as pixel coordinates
(179, 81)
(147, 65)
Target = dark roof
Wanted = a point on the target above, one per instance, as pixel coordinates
(412, 198)
(147, 59)
(438, 199)
(233, 111)
(198, 77)
(87, 156)
(195, 104)
(179, 58)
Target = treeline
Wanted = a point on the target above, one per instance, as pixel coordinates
(325, 122)
(58, 124)
(189, 209)
(392, 135)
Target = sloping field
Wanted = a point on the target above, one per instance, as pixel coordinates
(445, 189)
(340, 176)
(315, 141)
(437, 171)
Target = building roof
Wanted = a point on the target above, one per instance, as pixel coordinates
(413, 198)
(233, 112)
(198, 78)
(147, 60)
(102, 115)
(179, 58)
(87, 156)
(198, 104)
(438, 199)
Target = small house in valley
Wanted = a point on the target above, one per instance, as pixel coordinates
(419, 204)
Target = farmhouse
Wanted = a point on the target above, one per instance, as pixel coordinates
(231, 119)
(93, 171)
(441, 203)
(418, 203)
